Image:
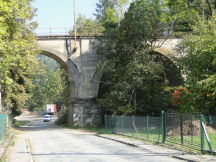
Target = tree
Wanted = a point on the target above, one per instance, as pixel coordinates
(50, 85)
(109, 13)
(86, 26)
(197, 59)
(134, 76)
(17, 49)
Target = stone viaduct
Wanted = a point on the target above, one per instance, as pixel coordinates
(84, 77)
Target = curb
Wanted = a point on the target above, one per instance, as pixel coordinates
(133, 145)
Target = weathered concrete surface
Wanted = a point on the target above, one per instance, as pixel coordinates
(80, 66)
(45, 142)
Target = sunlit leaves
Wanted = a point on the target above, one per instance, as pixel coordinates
(17, 50)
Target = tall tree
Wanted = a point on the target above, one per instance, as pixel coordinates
(17, 49)
(87, 26)
(110, 12)
(134, 75)
(49, 86)
(197, 59)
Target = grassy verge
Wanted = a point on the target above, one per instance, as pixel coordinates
(20, 123)
(8, 141)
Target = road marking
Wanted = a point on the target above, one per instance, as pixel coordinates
(29, 149)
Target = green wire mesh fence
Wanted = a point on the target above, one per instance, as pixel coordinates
(3, 125)
(182, 129)
(194, 132)
(144, 127)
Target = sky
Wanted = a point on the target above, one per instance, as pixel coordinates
(59, 13)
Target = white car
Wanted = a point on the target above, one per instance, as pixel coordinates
(46, 118)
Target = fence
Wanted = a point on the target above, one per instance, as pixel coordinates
(144, 127)
(3, 125)
(194, 132)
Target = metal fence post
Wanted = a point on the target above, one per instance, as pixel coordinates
(147, 126)
(105, 120)
(111, 123)
(181, 129)
(122, 123)
(132, 125)
(202, 133)
(163, 126)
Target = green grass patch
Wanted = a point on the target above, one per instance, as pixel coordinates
(20, 123)
(197, 140)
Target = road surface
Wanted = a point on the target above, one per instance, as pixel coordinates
(46, 142)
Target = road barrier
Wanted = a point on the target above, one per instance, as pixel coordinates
(194, 132)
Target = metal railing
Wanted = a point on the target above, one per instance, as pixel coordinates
(191, 132)
(67, 31)
(53, 31)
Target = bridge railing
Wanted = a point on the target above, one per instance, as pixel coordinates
(67, 31)
(53, 31)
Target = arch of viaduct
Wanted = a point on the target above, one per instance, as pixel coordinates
(84, 78)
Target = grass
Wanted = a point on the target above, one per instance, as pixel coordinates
(20, 123)
(155, 137)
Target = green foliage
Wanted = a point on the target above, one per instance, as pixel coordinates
(197, 51)
(184, 15)
(62, 116)
(86, 26)
(17, 49)
(134, 78)
(144, 21)
(50, 86)
(20, 123)
(110, 12)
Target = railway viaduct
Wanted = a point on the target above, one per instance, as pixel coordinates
(84, 77)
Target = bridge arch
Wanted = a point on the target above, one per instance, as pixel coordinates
(172, 72)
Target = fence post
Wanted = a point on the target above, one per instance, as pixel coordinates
(202, 133)
(105, 120)
(132, 125)
(122, 123)
(147, 126)
(181, 129)
(111, 123)
(163, 126)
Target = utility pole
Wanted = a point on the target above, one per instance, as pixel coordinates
(74, 9)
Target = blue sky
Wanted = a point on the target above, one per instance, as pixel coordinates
(59, 13)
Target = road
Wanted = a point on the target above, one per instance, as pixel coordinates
(46, 142)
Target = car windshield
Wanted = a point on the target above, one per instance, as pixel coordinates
(47, 117)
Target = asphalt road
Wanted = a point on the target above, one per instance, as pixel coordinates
(45, 142)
